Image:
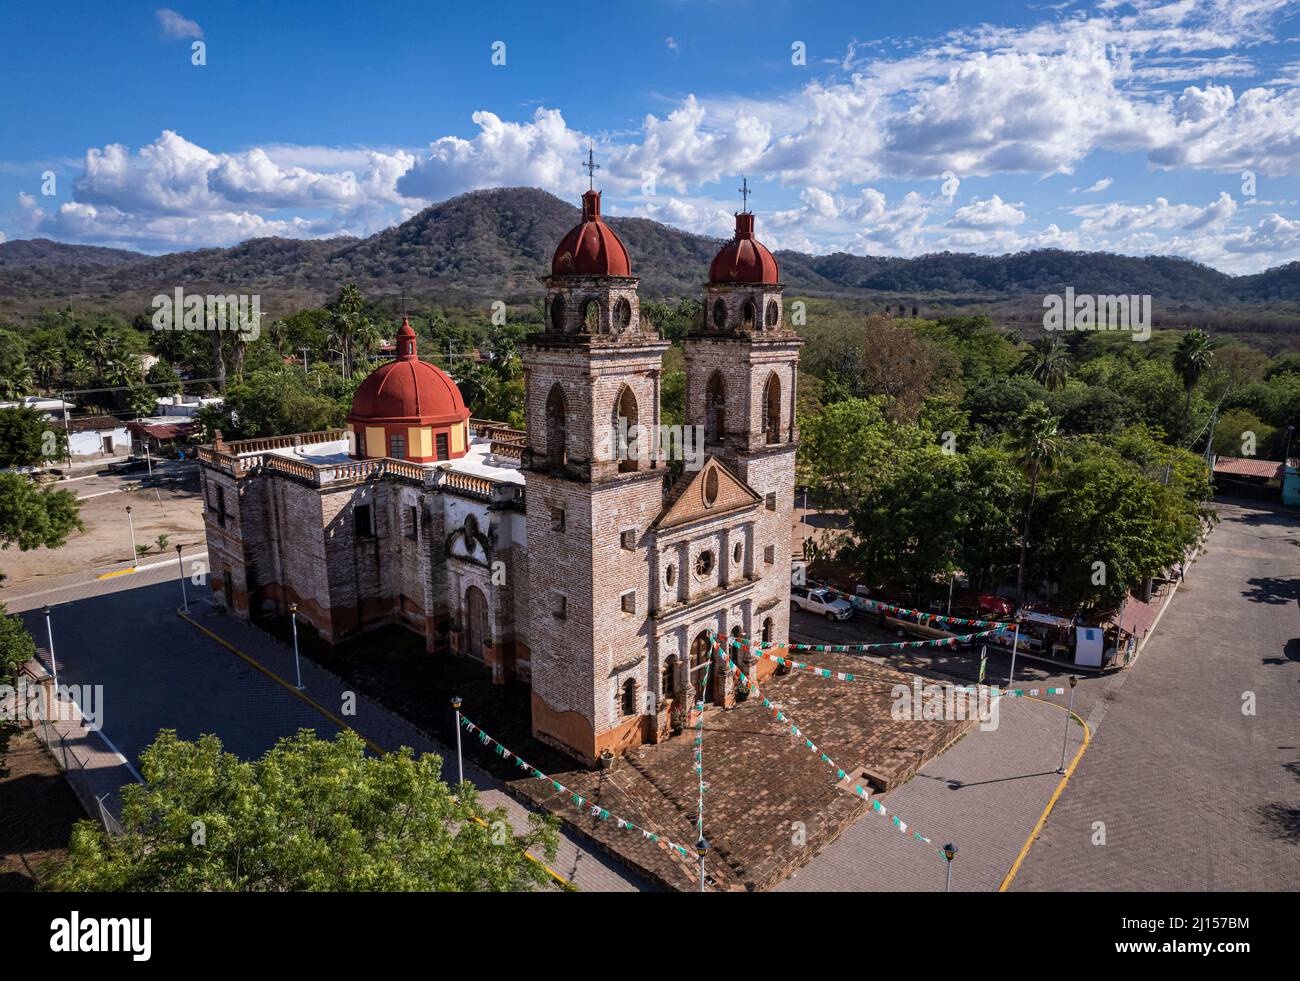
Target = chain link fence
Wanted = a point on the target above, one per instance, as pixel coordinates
(73, 762)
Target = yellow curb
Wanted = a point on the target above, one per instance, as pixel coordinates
(119, 572)
(1042, 819)
(372, 745)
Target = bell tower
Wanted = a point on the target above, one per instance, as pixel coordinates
(594, 485)
(742, 370)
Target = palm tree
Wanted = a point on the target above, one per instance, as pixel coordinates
(1192, 359)
(1048, 363)
(46, 362)
(17, 381)
(98, 343)
(345, 322)
(1035, 444)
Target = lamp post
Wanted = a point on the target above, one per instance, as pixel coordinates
(49, 633)
(701, 847)
(460, 762)
(1065, 740)
(1015, 644)
(185, 602)
(293, 615)
(949, 852)
(131, 524)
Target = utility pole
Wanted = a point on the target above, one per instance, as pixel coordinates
(305, 351)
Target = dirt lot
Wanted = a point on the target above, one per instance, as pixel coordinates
(37, 811)
(174, 509)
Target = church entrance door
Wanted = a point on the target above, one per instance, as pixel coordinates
(476, 628)
(700, 665)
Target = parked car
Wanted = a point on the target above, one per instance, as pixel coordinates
(819, 600)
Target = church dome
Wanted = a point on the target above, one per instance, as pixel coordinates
(591, 248)
(744, 259)
(408, 390)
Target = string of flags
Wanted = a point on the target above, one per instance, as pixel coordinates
(929, 618)
(699, 731)
(953, 642)
(795, 731)
(582, 803)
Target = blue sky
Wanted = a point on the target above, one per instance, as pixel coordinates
(1149, 127)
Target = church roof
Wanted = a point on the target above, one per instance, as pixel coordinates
(709, 491)
(591, 248)
(744, 259)
(408, 390)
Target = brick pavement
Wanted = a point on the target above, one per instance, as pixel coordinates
(760, 779)
(1194, 794)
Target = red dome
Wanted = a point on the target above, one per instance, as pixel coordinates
(408, 390)
(591, 248)
(744, 259)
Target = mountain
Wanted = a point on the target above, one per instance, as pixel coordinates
(496, 243)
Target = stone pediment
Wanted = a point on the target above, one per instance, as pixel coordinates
(712, 490)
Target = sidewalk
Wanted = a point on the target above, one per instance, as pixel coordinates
(336, 701)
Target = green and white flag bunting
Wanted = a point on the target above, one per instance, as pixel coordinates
(579, 801)
(858, 789)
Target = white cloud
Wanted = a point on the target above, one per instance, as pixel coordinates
(1099, 186)
(175, 25)
(990, 213)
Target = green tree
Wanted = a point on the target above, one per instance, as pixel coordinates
(32, 517)
(1034, 444)
(16, 644)
(1192, 359)
(311, 815)
(851, 447)
(1048, 363)
(28, 439)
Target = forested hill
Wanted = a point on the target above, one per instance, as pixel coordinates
(494, 244)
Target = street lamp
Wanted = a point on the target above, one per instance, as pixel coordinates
(131, 524)
(460, 762)
(293, 615)
(949, 852)
(185, 602)
(49, 633)
(1068, 712)
(701, 847)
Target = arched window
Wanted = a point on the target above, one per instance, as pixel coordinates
(773, 313)
(772, 409)
(557, 314)
(667, 679)
(622, 314)
(747, 313)
(557, 415)
(625, 431)
(719, 313)
(591, 316)
(629, 697)
(715, 409)
(767, 630)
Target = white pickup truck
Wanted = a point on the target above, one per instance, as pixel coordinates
(825, 602)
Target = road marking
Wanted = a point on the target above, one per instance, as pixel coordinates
(373, 746)
(1060, 787)
(119, 572)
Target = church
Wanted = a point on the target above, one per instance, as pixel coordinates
(575, 556)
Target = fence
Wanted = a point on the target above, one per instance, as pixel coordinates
(73, 761)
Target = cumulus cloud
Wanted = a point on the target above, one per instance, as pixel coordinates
(990, 213)
(175, 25)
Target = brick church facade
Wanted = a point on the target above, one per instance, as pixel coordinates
(574, 556)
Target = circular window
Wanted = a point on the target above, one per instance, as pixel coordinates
(737, 552)
(719, 313)
(704, 563)
(773, 314)
(710, 487)
(557, 314)
(670, 575)
(622, 314)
